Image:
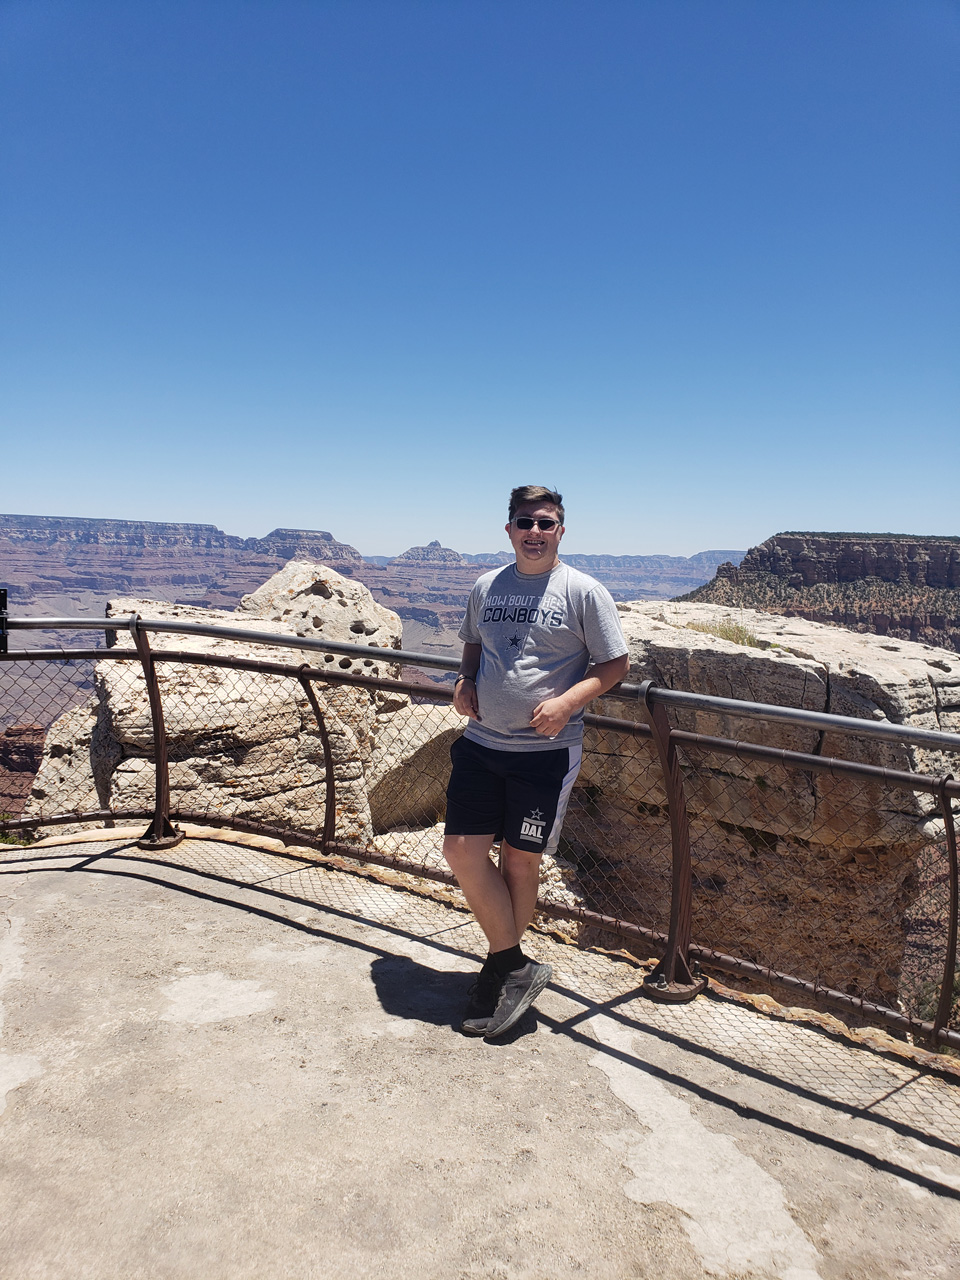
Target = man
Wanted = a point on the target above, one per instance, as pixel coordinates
(531, 632)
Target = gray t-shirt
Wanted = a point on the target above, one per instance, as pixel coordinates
(539, 633)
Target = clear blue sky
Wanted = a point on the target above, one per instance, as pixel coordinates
(362, 265)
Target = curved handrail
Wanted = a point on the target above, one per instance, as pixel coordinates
(943, 786)
(905, 734)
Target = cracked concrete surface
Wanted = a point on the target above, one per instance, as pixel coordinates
(231, 1063)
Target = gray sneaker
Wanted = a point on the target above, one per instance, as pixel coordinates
(520, 990)
(474, 1026)
(484, 995)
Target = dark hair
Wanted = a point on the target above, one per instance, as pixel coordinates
(527, 493)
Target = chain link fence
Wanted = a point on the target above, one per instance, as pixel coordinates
(838, 884)
(830, 886)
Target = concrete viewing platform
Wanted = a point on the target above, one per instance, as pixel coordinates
(224, 1061)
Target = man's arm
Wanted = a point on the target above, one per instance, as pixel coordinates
(552, 714)
(465, 693)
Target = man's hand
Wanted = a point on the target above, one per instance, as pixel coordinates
(465, 699)
(551, 715)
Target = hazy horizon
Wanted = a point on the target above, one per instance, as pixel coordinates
(567, 548)
(488, 549)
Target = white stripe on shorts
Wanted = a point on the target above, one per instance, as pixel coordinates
(569, 778)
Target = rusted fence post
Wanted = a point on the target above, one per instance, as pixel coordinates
(673, 979)
(950, 959)
(161, 833)
(330, 797)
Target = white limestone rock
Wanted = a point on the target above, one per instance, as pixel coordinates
(316, 601)
(242, 744)
(794, 663)
(79, 758)
(407, 778)
(811, 873)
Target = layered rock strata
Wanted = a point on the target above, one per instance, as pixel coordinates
(60, 563)
(893, 585)
(21, 750)
(64, 565)
(807, 872)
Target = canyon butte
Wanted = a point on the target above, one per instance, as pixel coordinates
(905, 587)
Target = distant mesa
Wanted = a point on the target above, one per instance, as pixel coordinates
(898, 585)
(62, 563)
(304, 544)
(433, 553)
(700, 565)
(490, 557)
(703, 563)
(79, 532)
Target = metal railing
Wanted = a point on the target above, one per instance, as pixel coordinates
(741, 857)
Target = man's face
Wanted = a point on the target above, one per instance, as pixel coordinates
(536, 549)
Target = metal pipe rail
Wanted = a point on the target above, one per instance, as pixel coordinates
(745, 750)
(116, 625)
(801, 760)
(677, 976)
(821, 720)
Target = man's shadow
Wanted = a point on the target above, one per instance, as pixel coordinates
(407, 989)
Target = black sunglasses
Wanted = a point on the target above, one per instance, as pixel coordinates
(544, 523)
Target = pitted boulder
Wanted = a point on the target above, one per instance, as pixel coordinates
(314, 601)
(242, 744)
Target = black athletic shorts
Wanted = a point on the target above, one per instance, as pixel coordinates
(517, 796)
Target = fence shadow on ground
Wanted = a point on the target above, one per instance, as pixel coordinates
(796, 1062)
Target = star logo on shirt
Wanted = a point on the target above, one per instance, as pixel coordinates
(536, 815)
(514, 642)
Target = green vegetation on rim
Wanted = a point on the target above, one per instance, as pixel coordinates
(728, 629)
(870, 537)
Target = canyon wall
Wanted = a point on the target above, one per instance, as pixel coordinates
(59, 564)
(889, 584)
(21, 750)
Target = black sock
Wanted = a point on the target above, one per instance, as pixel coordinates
(505, 962)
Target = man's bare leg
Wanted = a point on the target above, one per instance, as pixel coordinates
(503, 901)
(521, 871)
(484, 887)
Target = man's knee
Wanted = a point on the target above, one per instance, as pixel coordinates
(464, 851)
(520, 861)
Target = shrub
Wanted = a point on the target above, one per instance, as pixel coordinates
(728, 629)
(14, 837)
